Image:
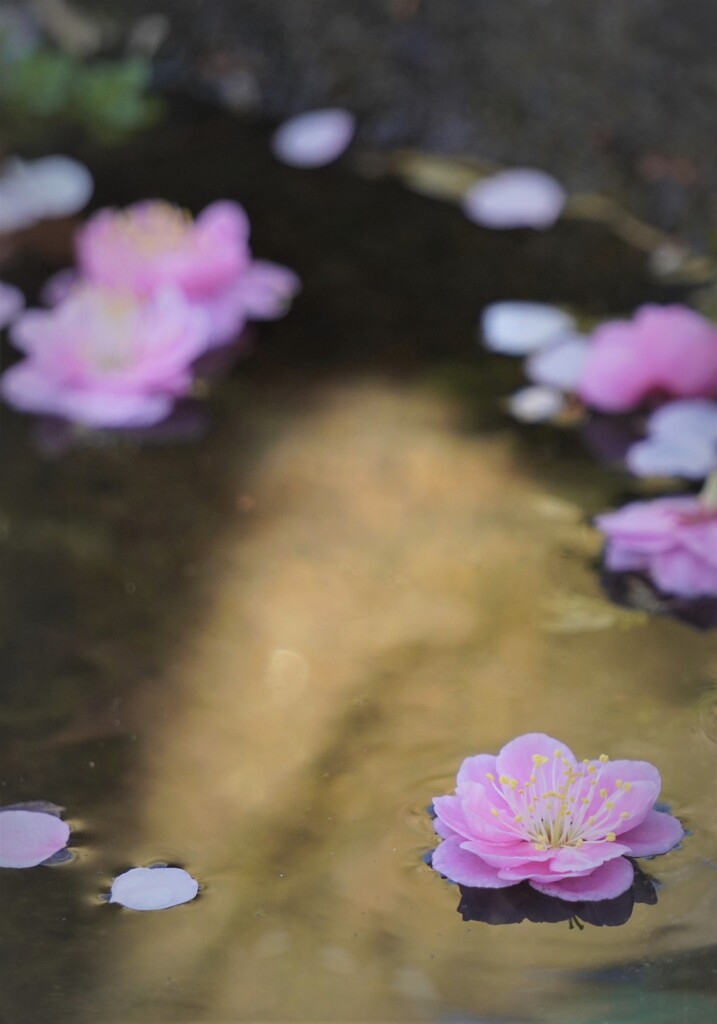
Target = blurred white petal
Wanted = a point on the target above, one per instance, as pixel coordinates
(535, 404)
(692, 458)
(560, 366)
(314, 139)
(695, 417)
(11, 302)
(514, 199)
(519, 328)
(31, 190)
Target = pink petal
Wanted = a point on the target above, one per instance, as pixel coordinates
(604, 883)
(267, 289)
(153, 888)
(28, 838)
(516, 758)
(475, 769)
(465, 868)
(683, 573)
(314, 139)
(514, 199)
(658, 833)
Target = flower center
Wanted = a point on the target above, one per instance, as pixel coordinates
(563, 805)
(154, 227)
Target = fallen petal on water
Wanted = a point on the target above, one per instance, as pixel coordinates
(535, 404)
(515, 199)
(314, 139)
(28, 837)
(518, 328)
(560, 366)
(153, 888)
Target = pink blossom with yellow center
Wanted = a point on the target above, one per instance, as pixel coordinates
(535, 813)
(153, 244)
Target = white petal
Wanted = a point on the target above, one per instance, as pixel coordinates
(314, 139)
(696, 417)
(693, 458)
(514, 199)
(535, 404)
(519, 328)
(63, 186)
(560, 366)
(153, 888)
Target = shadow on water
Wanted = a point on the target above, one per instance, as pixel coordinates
(112, 558)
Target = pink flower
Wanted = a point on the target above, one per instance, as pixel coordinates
(534, 813)
(673, 540)
(106, 359)
(663, 350)
(153, 243)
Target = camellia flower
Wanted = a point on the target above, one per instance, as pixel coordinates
(104, 358)
(534, 813)
(668, 351)
(673, 540)
(153, 243)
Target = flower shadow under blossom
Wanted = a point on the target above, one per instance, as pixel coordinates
(523, 903)
(636, 590)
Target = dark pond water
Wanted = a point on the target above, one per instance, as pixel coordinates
(259, 655)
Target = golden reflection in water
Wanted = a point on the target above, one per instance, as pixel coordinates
(404, 594)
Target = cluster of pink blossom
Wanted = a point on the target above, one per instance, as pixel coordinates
(152, 291)
(662, 365)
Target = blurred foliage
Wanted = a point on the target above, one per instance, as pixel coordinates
(107, 99)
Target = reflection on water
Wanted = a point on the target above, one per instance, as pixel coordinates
(261, 656)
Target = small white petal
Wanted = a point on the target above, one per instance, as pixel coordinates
(63, 186)
(560, 366)
(515, 199)
(519, 328)
(693, 458)
(314, 139)
(153, 888)
(695, 417)
(535, 404)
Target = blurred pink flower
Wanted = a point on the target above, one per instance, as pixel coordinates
(106, 359)
(673, 540)
(536, 814)
(154, 243)
(663, 350)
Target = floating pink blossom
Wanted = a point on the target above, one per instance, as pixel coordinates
(673, 540)
(153, 244)
(515, 199)
(11, 302)
(30, 837)
(663, 351)
(314, 139)
(536, 814)
(155, 888)
(106, 359)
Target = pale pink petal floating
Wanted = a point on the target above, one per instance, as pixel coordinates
(28, 838)
(681, 441)
(515, 199)
(11, 302)
(153, 888)
(517, 328)
(535, 404)
(314, 139)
